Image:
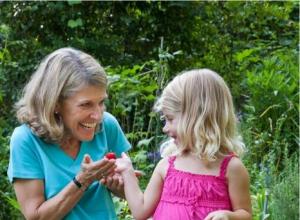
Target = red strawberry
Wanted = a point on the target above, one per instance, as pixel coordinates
(111, 155)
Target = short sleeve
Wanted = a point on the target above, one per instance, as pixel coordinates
(24, 161)
(116, 139)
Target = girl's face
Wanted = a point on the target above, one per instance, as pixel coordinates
(83, 111)
(170, 127)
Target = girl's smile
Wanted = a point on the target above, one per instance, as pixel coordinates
(170, 127)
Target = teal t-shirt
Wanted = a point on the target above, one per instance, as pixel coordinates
(32, 158)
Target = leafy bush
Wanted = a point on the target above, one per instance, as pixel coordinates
(285, 193)
(252, 44)
(8, 203)
(271, 114)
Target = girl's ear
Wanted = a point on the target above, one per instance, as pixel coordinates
(57, 108)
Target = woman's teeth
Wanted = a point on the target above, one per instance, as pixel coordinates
(89, 125)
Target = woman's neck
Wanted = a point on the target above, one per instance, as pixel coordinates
(70, 147)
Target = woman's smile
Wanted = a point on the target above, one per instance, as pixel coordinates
(82, 112)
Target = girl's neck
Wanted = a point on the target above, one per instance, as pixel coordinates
(194, 164)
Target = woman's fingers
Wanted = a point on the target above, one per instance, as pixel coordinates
(114, 183)
(106, 168)
(87, 159)
(98, 169)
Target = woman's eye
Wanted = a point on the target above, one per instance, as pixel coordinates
(85, 104)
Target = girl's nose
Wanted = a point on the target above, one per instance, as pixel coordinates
(165, 128)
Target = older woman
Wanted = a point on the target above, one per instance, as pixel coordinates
(57, 163)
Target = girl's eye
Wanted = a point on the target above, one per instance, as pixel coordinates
(169, 118)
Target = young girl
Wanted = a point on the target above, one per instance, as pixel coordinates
(204, 178)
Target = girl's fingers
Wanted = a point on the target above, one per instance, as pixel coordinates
(139, 173)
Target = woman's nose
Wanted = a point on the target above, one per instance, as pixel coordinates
(96, 115)
(97, 112)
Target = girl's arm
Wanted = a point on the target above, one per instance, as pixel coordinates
(239, 192)
(142, 205)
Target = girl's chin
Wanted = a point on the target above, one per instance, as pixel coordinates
(176, 142)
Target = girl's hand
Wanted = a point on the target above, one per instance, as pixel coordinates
(91, 171)
(123, 164)
(217, 215)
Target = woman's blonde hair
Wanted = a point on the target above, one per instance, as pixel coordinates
(61, 74)
(207, 122)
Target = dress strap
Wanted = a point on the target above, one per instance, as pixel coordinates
(224, 165)
(171, 161)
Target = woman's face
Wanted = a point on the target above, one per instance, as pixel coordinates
(83, 111)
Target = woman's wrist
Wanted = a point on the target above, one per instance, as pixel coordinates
(81, 182)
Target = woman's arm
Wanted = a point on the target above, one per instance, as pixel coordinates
(30, 195)
(239, 192)
(142, 205)
(30, 192)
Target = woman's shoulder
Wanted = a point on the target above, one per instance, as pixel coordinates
(22, 138)
(22, 132)
(109, 119)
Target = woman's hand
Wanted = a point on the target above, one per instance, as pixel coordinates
(115, 184)
(92, 171)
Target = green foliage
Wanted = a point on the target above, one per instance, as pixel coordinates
(271, 112)
(143, 44)
(258, 201)
(122, 209)
(285, 194)
(8, 203)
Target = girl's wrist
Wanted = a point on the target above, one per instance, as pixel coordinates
(128, 171)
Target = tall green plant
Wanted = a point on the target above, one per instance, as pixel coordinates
(271, 113)
(142, 84)
(285, 193)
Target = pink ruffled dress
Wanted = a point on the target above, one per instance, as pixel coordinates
(188, 196)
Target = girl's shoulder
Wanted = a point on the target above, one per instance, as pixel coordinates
(162, 166)
(236, 168)
(163, 163)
